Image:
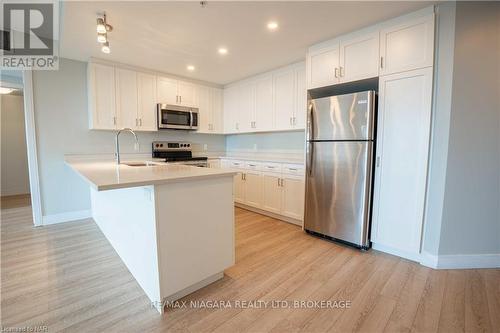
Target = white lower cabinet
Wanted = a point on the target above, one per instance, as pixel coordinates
(271, 193)
(277, 188)
(292, 196)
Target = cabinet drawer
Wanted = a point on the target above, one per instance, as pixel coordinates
(271, 167)
(293, 169)
(253, 166)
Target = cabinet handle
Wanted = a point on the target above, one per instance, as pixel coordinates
(282, 182)
(180, 98)
(341, 71)
(136, 122)
(336, 72)
(292, 169)
(291, 121)
(381, 62)
(140, 122)
(114, 120)
(279, 182)
(176, 98)
(294, 121)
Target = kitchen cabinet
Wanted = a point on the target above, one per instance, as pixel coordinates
(210, 109)
(246, 107)
(264, 115)
(271, 192)
(167, 90)
(359, 57)
(299, 117)
(292, 196)
(407, 46)
(230, 103)
(401, 163)
(126, 98)
(323, 66)
(101, 96)
(171, 91)
(276, 188)
(284, 98)
(146, 113)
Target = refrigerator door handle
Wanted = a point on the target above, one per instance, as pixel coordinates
(310, 153)
(310, 123)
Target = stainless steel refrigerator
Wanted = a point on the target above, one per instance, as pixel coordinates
(339, 165)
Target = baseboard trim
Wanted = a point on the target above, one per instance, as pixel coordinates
(461, 261)
(66, 217)
(270, 214)
(397, 252)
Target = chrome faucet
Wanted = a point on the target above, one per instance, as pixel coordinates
(117, 141)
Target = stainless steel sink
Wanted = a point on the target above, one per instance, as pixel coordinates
(139, 164)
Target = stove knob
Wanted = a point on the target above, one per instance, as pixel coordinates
(161, 144)
(157, 145)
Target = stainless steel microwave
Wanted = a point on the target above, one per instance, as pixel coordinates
(177, 117)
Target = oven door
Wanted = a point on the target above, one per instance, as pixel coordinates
(174, 117)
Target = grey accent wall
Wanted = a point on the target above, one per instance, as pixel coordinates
(60, 102)
(471, 212)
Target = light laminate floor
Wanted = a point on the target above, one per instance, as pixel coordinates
(68, 278)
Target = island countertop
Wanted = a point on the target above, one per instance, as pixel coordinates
(107, 175)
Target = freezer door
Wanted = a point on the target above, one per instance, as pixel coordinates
(338, 187)
(341, 117)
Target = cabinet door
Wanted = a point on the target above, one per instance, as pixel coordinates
(205, 109)
(102, 103)
(402, 150)
(126, 98)
(284, 98)
(264, 103)
(293, 197)
(253, 189)
(246, 109)
(359, 57)
(147, 102)
(323, 67)
(407, 46)
(216, 101)
(299, 118)
(187, 94)
(271, 193)
(230, 109)
(167, 90)
(239, 188)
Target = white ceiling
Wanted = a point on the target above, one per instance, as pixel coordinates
(167, 36)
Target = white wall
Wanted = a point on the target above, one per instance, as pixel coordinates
(14, 160)
(282, 144)
(60, 101)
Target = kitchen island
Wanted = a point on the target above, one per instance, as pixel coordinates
(172, 225)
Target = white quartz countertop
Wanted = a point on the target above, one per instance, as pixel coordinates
(107, 175)
(264, 159)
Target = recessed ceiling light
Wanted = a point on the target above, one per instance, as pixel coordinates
(222, 50)
(190, 68)
(272, 25)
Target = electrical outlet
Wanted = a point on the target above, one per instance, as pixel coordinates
(205, 147)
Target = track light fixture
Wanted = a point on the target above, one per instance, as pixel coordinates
(102, 33)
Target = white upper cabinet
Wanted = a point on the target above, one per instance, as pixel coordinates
(264, 103)
(284, 98)
(187, 94)
(246, 109)
(167, 90)
(323, 66)
(230, 103)
(171, 91)
(210, 109)
(407, 46)
(359, 57)
(101, 96)
(299, 120)
(146, 114)
(126, 98)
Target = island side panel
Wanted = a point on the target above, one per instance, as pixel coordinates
(195, 223)
(127, 218)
